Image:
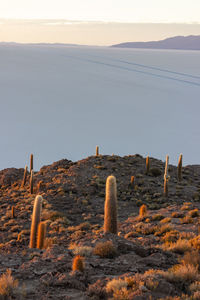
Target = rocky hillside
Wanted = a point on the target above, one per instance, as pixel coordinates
(155, 254)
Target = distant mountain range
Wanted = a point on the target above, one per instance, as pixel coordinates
(191, 42)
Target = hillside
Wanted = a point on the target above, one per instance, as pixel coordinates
(191, 42)
(141, 255)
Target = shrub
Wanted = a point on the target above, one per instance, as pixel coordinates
(191, 258)
(8, 285)
(165, 220)
(193, 213)
(180, 246)
(105, 250)
(115, 284)
(182, 273)
(82, 250)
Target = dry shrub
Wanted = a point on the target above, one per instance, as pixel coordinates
(165, 220)
(163, 229)
(186, 220)
(105, 250)
(115, 284)
(81, 250)
(193, 213)
(182, 274)
(177, 214)
(78, 263)
(191, 258)
(157, 217)
(171, 236)
(195, 286)
(195, 242)
(8, 285)
(180, 246)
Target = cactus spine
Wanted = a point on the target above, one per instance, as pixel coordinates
(147, 164)
(31, 182)
(41, 235)
(25, 176)
(97, 150)
(180, 161)
(110, 208)
(31, 162)
(35, 220)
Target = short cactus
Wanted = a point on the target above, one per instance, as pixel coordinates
(97, 150)
(41, 235)
(78, 263)
(110, 208)
(147, 164)
(179, 169)
(35, 220)
(132, 181)
(143, 211)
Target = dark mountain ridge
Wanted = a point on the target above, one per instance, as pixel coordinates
(191, 42)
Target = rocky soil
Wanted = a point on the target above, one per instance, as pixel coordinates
(152, 257)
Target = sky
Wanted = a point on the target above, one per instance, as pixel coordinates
(98, 22)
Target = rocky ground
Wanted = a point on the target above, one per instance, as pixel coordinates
(154, 256)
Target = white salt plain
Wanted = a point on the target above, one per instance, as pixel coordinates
(60, 102)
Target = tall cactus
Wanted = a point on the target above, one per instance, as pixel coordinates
(110, 208)
(179, 170)
(31, 162)
(35, 221)
(166, 177)
(25, 176)
(31, 182)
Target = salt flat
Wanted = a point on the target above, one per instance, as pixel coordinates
(60, 102)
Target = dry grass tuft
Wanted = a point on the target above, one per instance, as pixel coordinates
(105, 250)
(81, 250)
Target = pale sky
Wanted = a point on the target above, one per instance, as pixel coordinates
(96, 22)
(104, 10)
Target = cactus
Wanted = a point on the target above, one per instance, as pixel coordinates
(166, 177)
(166, 185)
(13, 212)
(179, 170)
(41, 235)
(39, 187)
(110, 209)
(132, 181)
(31, 182)
(25, 176)
(35, 220)
(97, 150)
(143, 211)
(147, 164)
(31, 162)
(78, 263)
